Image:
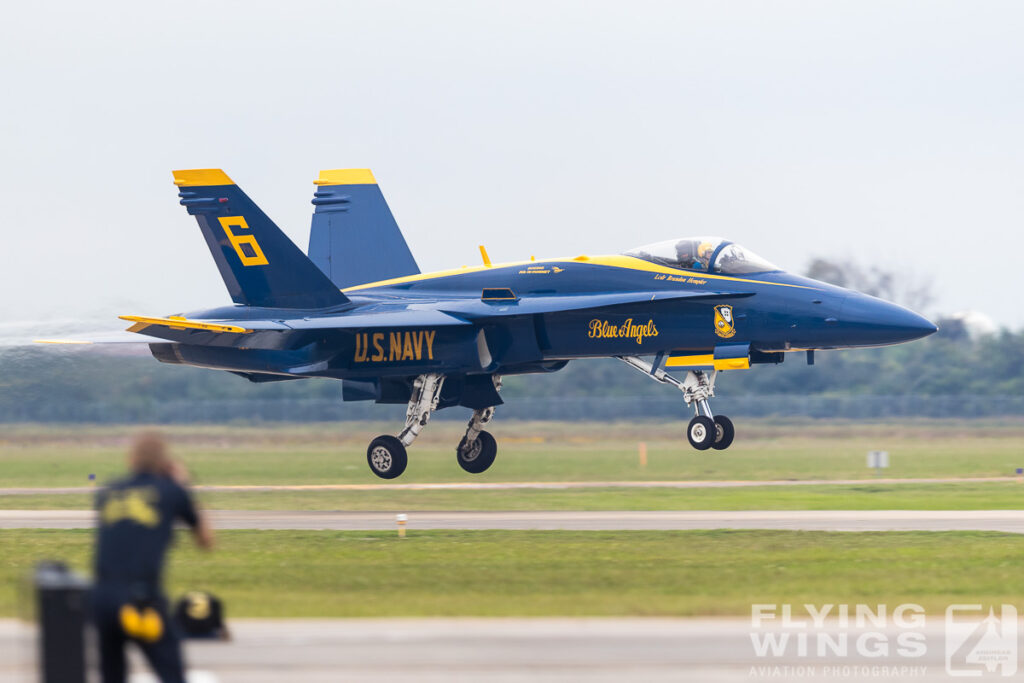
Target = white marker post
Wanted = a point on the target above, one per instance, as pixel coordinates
(878, 460)
(401, 518)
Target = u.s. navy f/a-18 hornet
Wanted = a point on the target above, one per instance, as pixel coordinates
(358, 309)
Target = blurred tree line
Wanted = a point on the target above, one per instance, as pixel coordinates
(950, 373)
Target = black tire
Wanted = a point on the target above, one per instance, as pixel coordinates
(724, 433)
(481, 456)
(386, 457)
(701, 432)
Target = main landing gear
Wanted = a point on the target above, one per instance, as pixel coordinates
(705, 430)
(387, 454)
(477, 450)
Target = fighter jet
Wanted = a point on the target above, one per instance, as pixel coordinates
(358, 309)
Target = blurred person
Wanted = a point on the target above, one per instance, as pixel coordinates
(135, 527)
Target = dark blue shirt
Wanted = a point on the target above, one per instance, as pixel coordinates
(136, 520)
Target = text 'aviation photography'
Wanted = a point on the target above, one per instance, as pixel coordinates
(686, 344)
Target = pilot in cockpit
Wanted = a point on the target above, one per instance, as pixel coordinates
(684, 254)
(704, 253)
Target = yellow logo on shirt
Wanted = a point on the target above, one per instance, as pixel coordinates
(135, 505)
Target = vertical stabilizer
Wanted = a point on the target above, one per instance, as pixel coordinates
(354, 238)
(259, 264)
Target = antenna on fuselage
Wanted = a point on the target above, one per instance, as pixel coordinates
(486, 258)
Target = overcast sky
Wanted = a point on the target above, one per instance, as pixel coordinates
(892, 132)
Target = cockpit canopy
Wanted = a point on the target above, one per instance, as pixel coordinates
(703, 254)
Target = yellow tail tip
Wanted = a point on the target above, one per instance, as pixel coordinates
(346, 176)
(198, 177)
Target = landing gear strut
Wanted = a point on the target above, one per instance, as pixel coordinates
(477, 450)
(387, 456)
(705, 429)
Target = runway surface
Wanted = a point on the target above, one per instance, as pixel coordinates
(545, 650)
(805, 520)
(491, 486)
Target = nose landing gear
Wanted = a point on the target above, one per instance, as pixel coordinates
(724, 433)
(705, 430)
(701, 432)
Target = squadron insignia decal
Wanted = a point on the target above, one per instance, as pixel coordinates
(725, 326)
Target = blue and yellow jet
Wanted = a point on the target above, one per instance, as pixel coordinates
(358, 309)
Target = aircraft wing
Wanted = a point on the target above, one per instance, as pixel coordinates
(484, 308)
(255, 333)
(268, 333)
(403, 317)
(271, 333)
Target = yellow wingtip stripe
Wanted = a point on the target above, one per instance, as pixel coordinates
(684, 361)
(198, 177)
(59, 341)
(178, 323)
(346, 176)
(708, 360)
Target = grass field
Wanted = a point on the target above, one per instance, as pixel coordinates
(867, 496)
(506, 573)
(526, 573)
(39, 456)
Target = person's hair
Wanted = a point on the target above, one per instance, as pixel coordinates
(149, 453)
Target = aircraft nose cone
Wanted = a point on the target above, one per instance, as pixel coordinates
(875, 322)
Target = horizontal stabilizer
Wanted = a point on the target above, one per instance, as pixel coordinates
(178, 323)
(396, 317)
(278, 333)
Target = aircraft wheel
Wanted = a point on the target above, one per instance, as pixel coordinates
(701, 432)
(724, 433)
(478, 457)
(386, 456)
